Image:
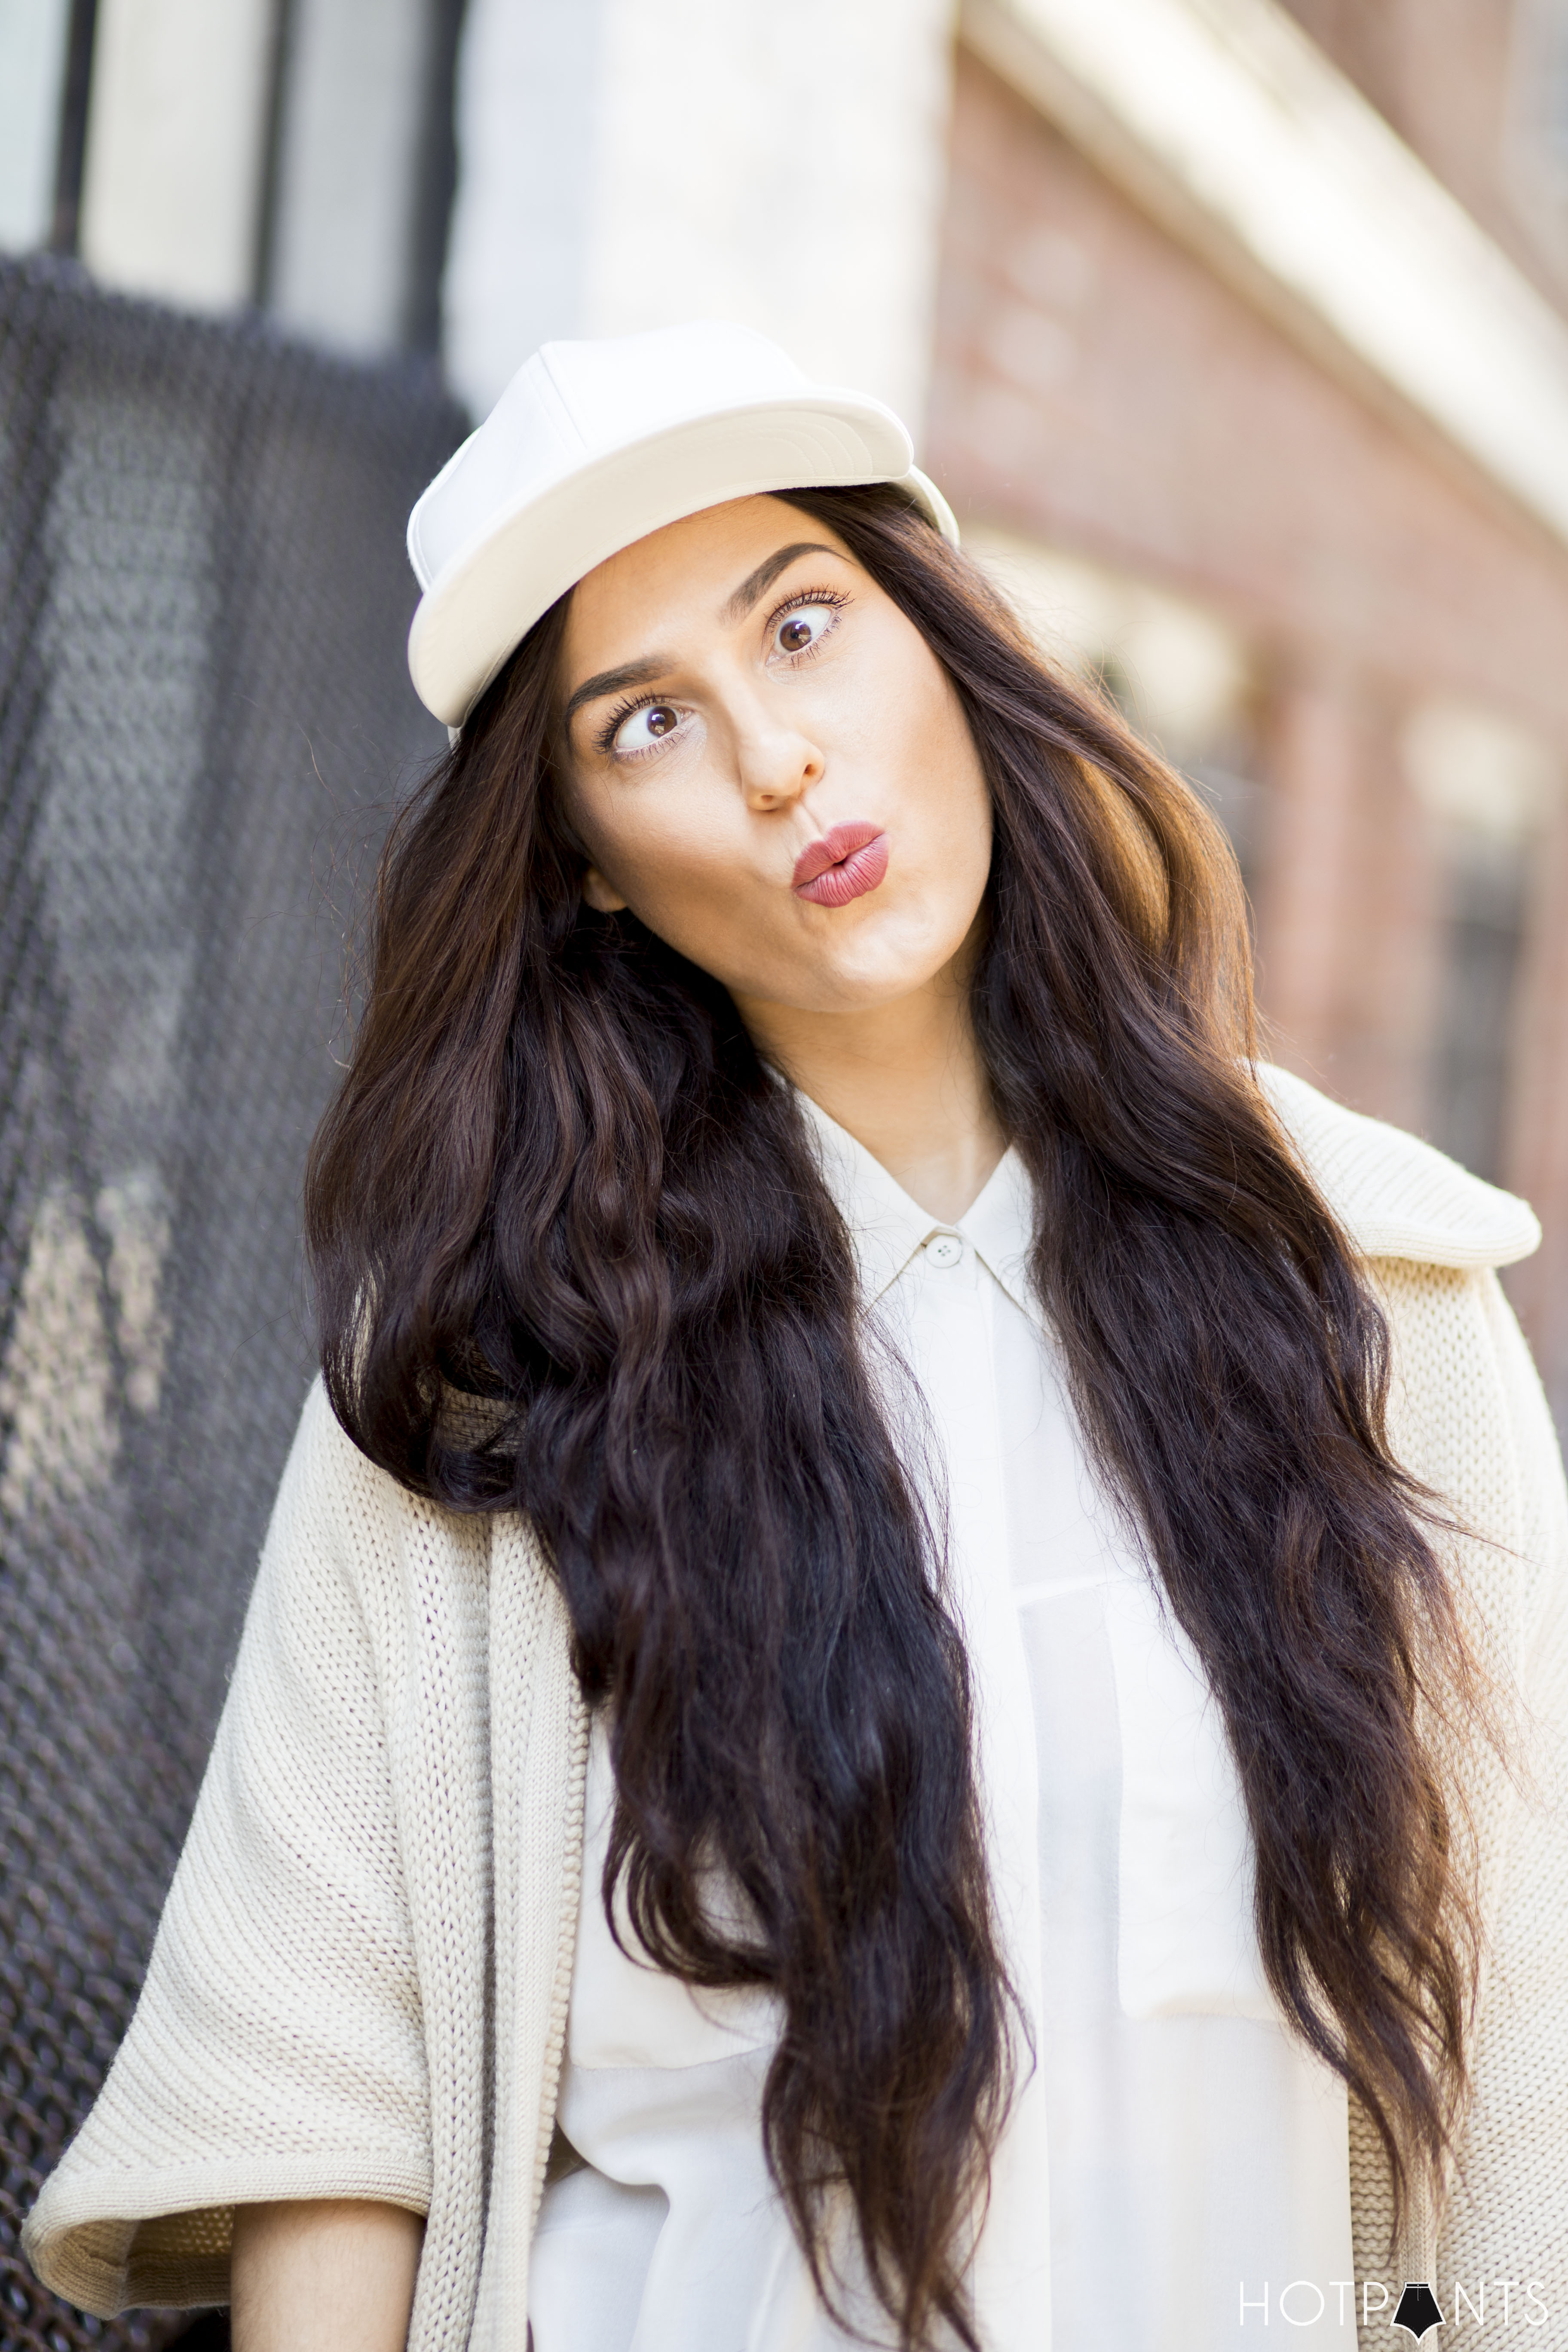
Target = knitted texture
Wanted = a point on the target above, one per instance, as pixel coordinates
(360, 1985)
(1470, 1418)
(321, 2016)
(1393, 1195)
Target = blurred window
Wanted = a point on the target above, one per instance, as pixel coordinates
(1180, 677)
(1537, 139)
(34, 43)
(1473, 1056)
(1489, 788)
(360, 170)
(1552, 101)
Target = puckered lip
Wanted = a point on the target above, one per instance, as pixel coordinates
(841, 841)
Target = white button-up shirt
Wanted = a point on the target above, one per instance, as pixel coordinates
(1174, 2162)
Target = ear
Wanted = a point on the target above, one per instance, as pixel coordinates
(601, 896)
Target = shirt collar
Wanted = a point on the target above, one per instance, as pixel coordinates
(887, 1228)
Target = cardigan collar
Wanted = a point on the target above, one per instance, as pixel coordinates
(1393, 1195)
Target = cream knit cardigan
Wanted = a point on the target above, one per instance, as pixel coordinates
(360, 1985)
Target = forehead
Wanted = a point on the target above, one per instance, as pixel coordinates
(685, 573)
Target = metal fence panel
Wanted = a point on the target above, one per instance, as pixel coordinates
(205, 718)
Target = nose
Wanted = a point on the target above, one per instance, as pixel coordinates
(777, 763)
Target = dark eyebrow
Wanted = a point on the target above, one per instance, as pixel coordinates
(759, 582)
(615, 681)
(643, 673)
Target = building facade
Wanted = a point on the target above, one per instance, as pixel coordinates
(1387, 732)
(1234, 328)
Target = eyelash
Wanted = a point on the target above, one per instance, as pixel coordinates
(834, 598)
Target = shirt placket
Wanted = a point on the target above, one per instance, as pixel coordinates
(948, 1307)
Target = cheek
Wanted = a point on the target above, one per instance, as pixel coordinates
(925, 737)
(670, 845)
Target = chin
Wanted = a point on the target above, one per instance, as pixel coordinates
(859, 983)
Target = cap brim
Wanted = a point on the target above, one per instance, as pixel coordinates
(487, 597)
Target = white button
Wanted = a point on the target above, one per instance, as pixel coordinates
(944, 1249)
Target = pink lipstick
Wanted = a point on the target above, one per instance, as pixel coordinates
(849, 860)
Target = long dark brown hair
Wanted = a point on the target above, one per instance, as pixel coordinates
(557, 1176)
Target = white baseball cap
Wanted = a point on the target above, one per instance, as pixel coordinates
(593, 446)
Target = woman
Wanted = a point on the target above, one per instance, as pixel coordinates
(910, 1679)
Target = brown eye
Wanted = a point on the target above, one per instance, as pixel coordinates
(804, 627)
(647, 725)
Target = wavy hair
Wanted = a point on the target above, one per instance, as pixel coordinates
(558, 1177)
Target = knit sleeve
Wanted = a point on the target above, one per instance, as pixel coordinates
(277, 2050)
(1508, 2212)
